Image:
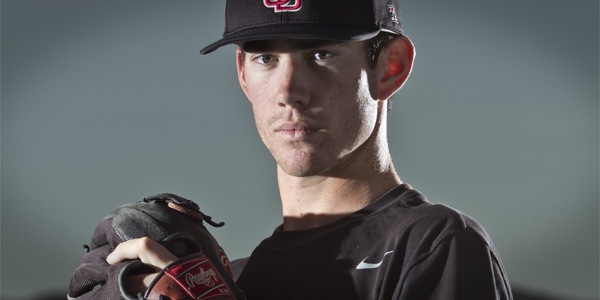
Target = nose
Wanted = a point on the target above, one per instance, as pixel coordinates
(292, 84)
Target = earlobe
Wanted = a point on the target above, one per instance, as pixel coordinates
(397, 57)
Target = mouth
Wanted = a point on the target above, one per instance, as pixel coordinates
(295, 132)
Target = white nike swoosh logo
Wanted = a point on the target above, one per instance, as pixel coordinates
(363, 265)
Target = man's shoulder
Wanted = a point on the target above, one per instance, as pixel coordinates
(418, 219)
(443, 216)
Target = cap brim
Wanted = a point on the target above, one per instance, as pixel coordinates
(307, 31)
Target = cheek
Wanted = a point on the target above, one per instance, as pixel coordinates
(255, 86)
(359, 114)
(261, 117)
(356, 96)
(258, 97)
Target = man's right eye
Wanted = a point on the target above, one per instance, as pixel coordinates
(265, 58)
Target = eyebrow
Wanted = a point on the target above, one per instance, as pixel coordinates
(287, 44)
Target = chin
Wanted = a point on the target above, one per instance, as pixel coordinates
(299, 171)
(300, 165)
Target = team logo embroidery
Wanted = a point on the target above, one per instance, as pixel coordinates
(284, 5)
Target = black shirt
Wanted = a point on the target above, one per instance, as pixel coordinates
(398, 247)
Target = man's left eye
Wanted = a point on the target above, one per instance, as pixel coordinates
(322, 55)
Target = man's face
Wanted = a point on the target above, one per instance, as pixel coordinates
(313, 101)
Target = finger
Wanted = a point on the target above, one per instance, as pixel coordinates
(146, 249)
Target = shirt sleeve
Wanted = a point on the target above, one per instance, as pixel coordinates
(462, 266)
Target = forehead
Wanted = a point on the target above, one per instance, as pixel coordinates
(293, 44)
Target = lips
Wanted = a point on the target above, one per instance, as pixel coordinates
(295, 132)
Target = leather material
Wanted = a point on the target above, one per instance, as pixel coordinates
(175, 222)
(193, 277)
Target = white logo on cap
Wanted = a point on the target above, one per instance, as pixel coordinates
(284, 5)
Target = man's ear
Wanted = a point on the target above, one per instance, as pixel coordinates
(397, 58)
(240, 69)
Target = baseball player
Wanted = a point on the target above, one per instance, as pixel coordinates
(319, 75)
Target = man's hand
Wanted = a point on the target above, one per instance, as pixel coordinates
(150, 252)
(141, 249)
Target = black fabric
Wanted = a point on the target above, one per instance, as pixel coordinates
(332, 19)
(426, 251)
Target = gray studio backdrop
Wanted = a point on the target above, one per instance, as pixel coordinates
(105, 102)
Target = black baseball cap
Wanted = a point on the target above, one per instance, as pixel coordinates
(352, 20)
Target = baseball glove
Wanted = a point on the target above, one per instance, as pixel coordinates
(201, 272)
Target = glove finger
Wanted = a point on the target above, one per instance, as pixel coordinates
(91, 271)
(96, 281)
(105, 234)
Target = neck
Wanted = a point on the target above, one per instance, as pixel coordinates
(314, 201)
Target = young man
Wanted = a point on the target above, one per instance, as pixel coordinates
(319, 75)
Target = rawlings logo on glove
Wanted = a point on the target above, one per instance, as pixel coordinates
(201, 272)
